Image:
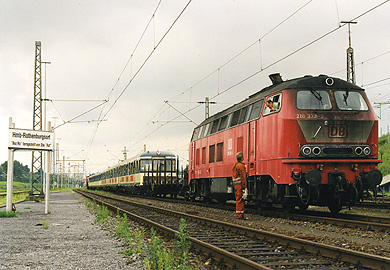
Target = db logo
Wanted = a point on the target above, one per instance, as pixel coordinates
(337, 131)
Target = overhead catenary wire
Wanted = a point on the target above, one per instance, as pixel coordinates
(263, 69)
(299, 49)
(226, 63)
(154, 48)
(245, 49)
(147, 59)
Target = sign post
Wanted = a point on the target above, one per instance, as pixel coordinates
(10, 174)
(25, 139)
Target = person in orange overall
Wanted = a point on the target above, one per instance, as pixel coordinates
(239, 183)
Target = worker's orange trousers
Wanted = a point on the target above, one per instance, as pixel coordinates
(240, 203)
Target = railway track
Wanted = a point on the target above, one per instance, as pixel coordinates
(240, 247)
(374, 223)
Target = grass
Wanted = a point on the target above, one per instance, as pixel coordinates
(18, 186)
(15, 198)
(45, 224)
(102, 214)
(161, 258)
(7, 214)
(158, 257)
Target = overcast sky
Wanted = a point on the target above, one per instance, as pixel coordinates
(89, 43)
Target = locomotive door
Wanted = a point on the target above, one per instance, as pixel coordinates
(251, 147)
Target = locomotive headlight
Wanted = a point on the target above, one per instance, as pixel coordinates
(358, 150)
(316, 150)
(367, 150)
(306, 150)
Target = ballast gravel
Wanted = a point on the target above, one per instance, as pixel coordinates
(71, 240)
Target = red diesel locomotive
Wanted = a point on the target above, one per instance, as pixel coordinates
(315, 144)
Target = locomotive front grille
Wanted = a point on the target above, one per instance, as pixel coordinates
(337, 151)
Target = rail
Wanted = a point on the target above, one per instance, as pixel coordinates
(358, 258)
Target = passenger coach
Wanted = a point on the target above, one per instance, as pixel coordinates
(317, 145)
(149, 173)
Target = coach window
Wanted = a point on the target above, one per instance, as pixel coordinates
(204, 155)
(220, 151)
(197, 156)
(146, 164)
(212, 153)
(276, 103)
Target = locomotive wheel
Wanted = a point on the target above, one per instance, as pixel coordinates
(304, 193)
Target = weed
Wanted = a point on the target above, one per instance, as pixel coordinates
(182, 246)
(102, 214)
(160, 258)
(135, 237)
(7, 214)
(88, 204)
(45, 224)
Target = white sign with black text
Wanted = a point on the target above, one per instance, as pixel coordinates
(30, 139)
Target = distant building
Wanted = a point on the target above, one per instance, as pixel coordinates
(385, 185)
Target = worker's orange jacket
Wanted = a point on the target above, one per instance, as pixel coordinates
(239, 174)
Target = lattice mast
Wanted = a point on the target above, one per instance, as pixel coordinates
(36, 183)
(350, 57)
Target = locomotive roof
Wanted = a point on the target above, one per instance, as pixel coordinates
(307, 81)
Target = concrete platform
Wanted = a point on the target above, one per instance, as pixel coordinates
(72, 241)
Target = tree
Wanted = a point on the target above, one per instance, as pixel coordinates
(21, 172)
(384, 147)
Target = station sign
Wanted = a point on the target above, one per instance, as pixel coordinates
(25, 139)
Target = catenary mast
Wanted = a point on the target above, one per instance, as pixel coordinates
(36, 183)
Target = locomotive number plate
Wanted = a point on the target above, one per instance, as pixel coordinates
(337, 131)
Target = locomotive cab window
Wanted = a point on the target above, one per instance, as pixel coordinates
(313, 100)
(350, 101)
(274, 105)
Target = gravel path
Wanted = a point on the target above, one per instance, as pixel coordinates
(72, 241)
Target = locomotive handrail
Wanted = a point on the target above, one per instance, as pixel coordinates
(288, 161)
